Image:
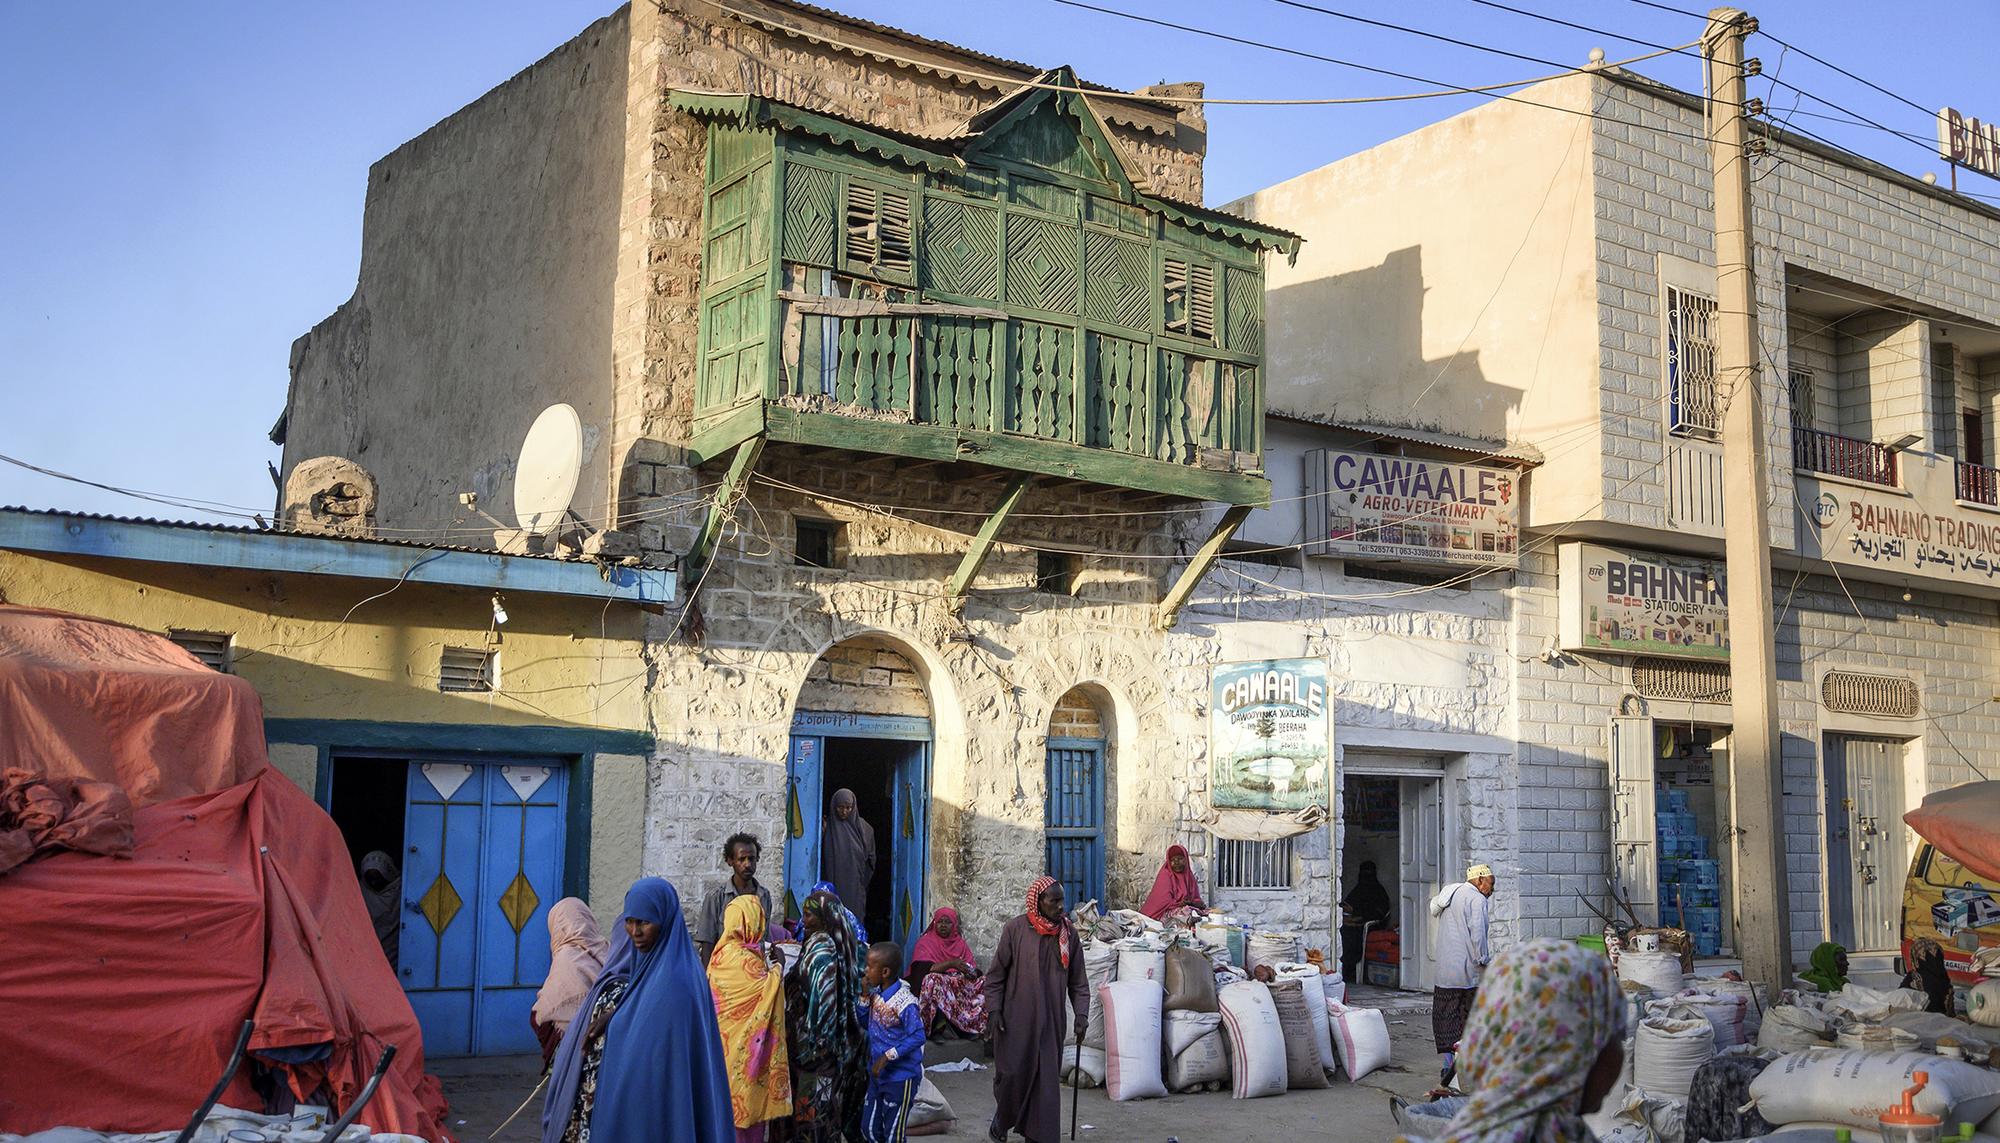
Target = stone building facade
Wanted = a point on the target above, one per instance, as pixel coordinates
(1567, 310)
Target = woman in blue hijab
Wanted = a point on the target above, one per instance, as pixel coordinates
(643, 1058)
(853, 922)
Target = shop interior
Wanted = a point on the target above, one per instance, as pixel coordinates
(1691, 809)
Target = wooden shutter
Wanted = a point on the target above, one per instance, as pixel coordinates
(1190, 298)
(1635, 863)
(892, 232)
(863, 224)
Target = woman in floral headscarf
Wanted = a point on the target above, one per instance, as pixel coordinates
(1544, 1045)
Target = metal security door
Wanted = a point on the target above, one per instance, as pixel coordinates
(1866, 853)
(1635, 866)
(1422, 837)
(1075, 817)
(805, 806)
(911, 806)
(483, 864)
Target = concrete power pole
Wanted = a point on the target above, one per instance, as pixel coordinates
(1761, 903)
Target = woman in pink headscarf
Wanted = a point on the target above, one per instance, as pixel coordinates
(1174, 888)
(576, 957)
(946, 974)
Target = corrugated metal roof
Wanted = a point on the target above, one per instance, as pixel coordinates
(253, 530)
(1520, 453)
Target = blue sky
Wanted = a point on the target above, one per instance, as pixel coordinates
(182, 184)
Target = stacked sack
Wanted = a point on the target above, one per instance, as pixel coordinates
(1196, 1056)
(1084, 1067)
(1853, 1089)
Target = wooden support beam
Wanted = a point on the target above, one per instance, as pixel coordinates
(982, 544)
(1204, 558)
(733, 483)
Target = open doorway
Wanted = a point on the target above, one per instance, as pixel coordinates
(1692, 817)
(868, 766)
(1394, 816)
(367, 805)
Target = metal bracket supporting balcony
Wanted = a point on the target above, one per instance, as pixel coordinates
(1204, 558)
(733, 484)
(982, 544)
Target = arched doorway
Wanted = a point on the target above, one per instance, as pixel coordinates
(1074, 815)
(863, 723)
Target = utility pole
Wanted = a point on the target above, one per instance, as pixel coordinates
(1761, 903)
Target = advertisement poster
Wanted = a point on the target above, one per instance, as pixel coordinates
(1399, 507)
(1270, 735)
(1642, 603)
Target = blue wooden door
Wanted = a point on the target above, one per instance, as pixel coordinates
(805, 808)
(911, 803)
(484, 845)
(1075, 817)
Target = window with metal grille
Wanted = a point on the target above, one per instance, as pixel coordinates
(1190, 298)
(1253, 864)
(468, 669)
(1675, 679)
(1694, 406)
(878, 228)
(1883, 696)
(1805, 397)
(213, 648)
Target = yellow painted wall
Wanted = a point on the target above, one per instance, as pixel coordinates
(567, 663)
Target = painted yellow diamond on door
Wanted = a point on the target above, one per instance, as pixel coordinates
(518, 902)
(439, 904)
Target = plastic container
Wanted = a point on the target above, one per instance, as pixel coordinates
(1593, 941)
(1903, 1123)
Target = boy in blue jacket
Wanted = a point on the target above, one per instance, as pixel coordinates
(895, 1043)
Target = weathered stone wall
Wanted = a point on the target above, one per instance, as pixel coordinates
(864, 676)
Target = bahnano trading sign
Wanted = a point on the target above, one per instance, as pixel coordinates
(1270, 735)
(1399, 507)
(1642, 603)
(1964, 140)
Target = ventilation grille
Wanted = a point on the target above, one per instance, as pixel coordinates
(466, 669)
(1882, 696)
(1688, 682)
(211, 647)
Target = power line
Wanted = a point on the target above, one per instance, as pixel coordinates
(1440, 37)
(1702, 16)
(1584, 28)
(1823, 62)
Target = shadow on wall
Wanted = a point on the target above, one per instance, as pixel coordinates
(1351, 348)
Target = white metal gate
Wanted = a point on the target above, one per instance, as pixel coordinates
(1866, 850)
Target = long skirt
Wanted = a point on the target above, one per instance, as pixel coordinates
(960, 999)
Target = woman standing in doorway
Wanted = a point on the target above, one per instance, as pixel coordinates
(645, 1054)
(847, 852)
(829, 1044)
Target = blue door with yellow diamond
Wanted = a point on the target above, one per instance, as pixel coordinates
(482, 865)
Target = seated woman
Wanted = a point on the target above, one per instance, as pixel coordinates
(1175, 886)
(1829, 968)
(1544, 1046)
(1928, 975)
(576, 957)
(945, 975)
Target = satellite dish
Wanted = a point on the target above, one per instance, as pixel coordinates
(545, 477)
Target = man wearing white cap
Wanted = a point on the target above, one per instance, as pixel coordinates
(1458, 928)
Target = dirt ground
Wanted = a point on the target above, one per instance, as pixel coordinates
(484, 1091)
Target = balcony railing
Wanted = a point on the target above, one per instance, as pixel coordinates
(1978, 483)
(1846, 457)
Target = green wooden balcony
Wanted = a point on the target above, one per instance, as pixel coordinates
(1008, 296)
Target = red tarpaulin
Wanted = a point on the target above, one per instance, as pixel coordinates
(123, 981)
(1964, 822)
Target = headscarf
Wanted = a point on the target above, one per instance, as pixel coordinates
(750, 1007)
(1368, 899)
(848, 853)
(1546, 1011)
(662, 1054)
(1171, 890)
(828, 1025)
(853, 922)
(1057, 929)
(576, 958)
(937, 949)
(385, 905)
(1825, 971)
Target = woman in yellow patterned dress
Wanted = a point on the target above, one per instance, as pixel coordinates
(750, 1006)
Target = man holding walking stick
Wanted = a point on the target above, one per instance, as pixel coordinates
(1038, 961)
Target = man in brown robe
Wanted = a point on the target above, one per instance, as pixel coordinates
(1039, 959)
